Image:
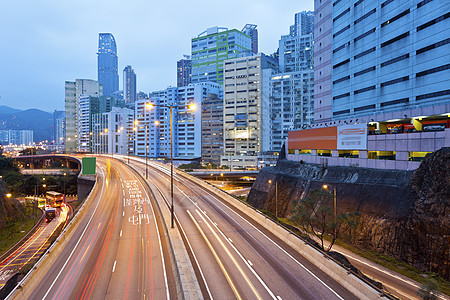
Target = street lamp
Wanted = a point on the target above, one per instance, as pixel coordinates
(191, 107)
(276, 197)
(334, 197)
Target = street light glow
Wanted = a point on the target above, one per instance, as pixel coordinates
(148, 106)
(191, 106)
(8, 195)
(325, 186)
(156, 122)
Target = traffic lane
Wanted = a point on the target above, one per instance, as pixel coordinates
(217, 283)
(48, 283)
(138, 267)
(282, 264)
(227, 275)
(31, 250)
(260, 245)
(79, 280)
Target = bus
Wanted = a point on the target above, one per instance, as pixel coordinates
(50, 214)
(55, 199)
(42, 202)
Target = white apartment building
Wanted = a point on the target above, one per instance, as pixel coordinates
(246, 107)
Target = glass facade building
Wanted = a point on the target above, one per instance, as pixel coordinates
(107, 62)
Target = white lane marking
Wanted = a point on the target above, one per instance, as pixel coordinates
(160, 244)
(278, 246)
(250, 263)
(187, 240)
(120, 232)
(123, 214)
(229, 238)
(279, 298)
(76, 245)
(273, 242)
(114, 267)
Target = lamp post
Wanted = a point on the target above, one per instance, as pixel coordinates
(191, 107)
(64, 180)
(276, 197)
(325, 186)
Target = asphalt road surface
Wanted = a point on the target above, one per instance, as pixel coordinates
(234, 257)
(116, 251)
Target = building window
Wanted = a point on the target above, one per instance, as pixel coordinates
(433, 46)
(420, 4)
(398, 38)
(336, 2)
(386, 3)
(434, 70)
(339, 48)
(432, 22)
(364, 71)
(394, 81)
(394, 102)
(341, 14)
(433, 95)
(341, 63)
(341, 31)
(372, 106)
(341, 112)
(395, 18)
(365, 16)
(341, 96)
(369, 88)
(364, 34)
(394, 60)
(341, 79)
(358, 2)
(364, 53)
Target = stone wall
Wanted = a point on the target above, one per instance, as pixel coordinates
(403, 214)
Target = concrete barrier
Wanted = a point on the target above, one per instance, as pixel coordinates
(30, 282)
(345, 278)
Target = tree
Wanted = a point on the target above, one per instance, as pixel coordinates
(316, 215)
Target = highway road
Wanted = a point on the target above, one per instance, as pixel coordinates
(235, 258)
(33, 248)
(115, 251)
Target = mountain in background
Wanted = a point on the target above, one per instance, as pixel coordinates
(6, 110)
(39, 121)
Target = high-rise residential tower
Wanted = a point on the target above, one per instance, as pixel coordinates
(107, 62)
(129, 85)
(296, 48)
(73, 92)
(252, 32)
(184, 68)
(246, 109)
(211, 48)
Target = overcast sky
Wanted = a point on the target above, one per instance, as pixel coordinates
(44, 43)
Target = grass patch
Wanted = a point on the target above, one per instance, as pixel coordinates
(10, 236)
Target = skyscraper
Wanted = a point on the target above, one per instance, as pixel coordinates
(107, 63)
(211, 48)
(379, 57)
(296, 48)
(73, 92)
(129, 85)
(184, 68)
(252, 32)
(246, 112)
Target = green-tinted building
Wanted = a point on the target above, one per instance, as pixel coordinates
(211, 47)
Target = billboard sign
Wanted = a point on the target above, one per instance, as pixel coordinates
(352, 137)
(88, 166)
